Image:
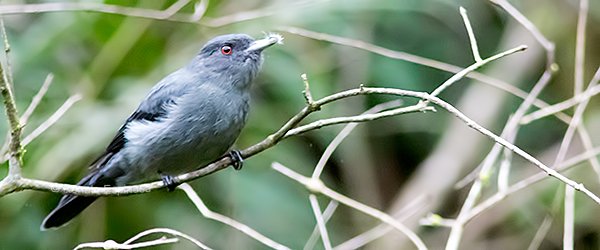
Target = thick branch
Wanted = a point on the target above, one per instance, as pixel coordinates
(14, 148)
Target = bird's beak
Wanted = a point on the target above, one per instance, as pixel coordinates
(261, 44)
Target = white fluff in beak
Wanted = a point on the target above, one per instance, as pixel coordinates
(270, 39)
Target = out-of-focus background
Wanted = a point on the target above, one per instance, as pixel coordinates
(113, 60)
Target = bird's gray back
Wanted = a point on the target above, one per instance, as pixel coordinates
(202, 122)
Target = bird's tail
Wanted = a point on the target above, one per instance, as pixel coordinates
(71, 205)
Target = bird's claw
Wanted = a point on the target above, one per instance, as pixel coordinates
(236, 157)
(169, 181)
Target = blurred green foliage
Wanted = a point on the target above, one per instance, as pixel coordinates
(113, 61)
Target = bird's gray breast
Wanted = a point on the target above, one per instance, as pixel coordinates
(200, 127)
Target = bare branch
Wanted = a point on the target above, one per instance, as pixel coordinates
(421, 107)
(25, 117)
(383, 228)
(526, 23)
(569, 225)
(169, 14)
(35, 101)
(52, 119)
(129, 244)
(569, 216)
(435, 220)
(96, 7)
(561, 106)
(504, 171)
(473, 67)
(320, 221)
(8, 73)
(314, 236)
(343, 134)
(547, 222)
(499, 196)
(167, 231)
(14, 149)
(504, 86)
(258, 13)
(540, 233)
(472, 39)
(580, 45)
(206, 212)
(111, 244)
(306, 91)
(317, 186)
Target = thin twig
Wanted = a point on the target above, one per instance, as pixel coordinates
(343, 134)
(206, 212)
(569, 211)
(569, 220)
(504, 171)
(129, 244)
(383, 228)
(9, 76)
(25, 117)
(35, 101)
(580, 45)
(171, 13)
(475, 66)
(540, 234)
(166, 14)
(472, 40)
(111, 244)
(258, 13)
(420, 107)
(561, 106)
(435, 220)
(524, 183)
(314, 236)
(316, 186)
(525, 22)
(306, 91)
(320, 221)
(569, 216)
(52, 119)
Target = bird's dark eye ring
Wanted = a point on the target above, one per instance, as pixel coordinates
(226, 50)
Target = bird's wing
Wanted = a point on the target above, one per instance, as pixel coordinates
(152, 108)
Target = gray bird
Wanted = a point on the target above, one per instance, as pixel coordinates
(189, 119)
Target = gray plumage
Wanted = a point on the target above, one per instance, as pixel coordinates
(189, 119)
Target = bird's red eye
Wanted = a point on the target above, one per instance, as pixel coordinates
(226, 50)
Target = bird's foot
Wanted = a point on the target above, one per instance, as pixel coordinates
(237, 159)
(169, 181)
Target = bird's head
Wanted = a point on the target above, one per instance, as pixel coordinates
(234, 58)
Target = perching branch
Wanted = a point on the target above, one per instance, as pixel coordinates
(273, 139)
